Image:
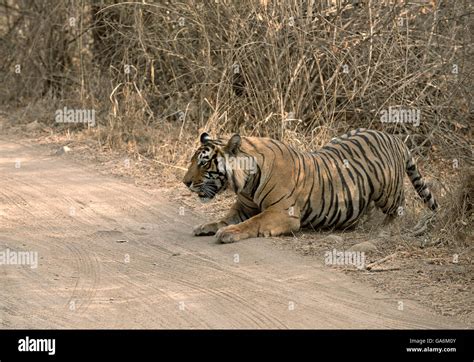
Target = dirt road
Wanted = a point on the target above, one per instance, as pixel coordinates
(112, 255)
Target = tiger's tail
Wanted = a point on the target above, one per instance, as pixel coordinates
(420, 184)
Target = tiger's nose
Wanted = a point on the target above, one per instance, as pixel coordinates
(187, 183)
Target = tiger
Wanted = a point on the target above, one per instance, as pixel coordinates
(280, 189)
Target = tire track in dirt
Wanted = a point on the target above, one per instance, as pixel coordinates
(172, 272)
(88, 277)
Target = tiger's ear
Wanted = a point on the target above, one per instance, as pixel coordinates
(205, 138)
(234, 144)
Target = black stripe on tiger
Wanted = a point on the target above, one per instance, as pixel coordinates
(420, 184)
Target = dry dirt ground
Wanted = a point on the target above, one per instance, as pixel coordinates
(117, 253)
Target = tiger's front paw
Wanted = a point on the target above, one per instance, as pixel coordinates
(206, 229)
(231, 233)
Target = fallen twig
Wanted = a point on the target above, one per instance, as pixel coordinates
(384, 269)
(380, 261)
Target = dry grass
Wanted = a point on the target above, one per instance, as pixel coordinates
(285, 69)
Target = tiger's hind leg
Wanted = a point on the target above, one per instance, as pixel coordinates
(386, 229)
(370, 211)
(267, 223)
(393, 207)
(367, 215)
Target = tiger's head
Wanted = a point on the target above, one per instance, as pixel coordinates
(208, 174)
